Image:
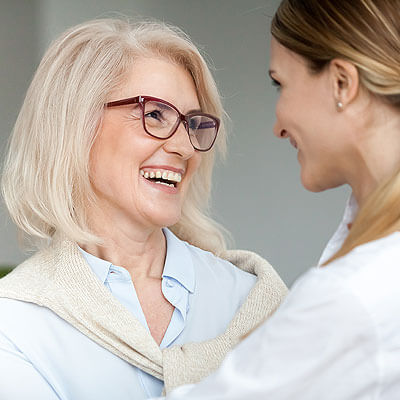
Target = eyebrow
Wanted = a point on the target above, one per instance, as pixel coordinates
(195, 110)
(162, 105)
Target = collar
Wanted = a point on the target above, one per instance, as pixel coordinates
(100, 267)
(338, 238)
(178, 262)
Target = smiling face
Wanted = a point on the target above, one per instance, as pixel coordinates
(125, 161)
(306, 115)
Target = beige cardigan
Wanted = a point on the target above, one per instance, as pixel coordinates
(60, 279)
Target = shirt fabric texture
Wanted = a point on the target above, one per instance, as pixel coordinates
(59, 279)
(178, 282)
(334, 337)
(54, 360)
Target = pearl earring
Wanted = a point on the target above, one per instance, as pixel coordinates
(339, 106)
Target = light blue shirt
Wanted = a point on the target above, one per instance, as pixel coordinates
(54, 360)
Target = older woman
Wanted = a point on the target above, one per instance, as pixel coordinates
(115, 142)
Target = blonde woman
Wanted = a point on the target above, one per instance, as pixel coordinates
(336, 335)
(109, 171)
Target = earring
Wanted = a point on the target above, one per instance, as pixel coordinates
(339, 106)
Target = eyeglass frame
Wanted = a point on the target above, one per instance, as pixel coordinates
(184, 118)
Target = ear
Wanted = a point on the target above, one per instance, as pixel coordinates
(345, 81)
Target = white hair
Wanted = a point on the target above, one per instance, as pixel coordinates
(45, 181)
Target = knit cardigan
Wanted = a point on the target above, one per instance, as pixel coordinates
(59, 278)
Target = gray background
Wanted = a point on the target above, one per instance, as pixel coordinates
(257, 195)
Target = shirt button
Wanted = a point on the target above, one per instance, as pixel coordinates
(170, 284)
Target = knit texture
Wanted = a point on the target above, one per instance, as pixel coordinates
(192, 362)
(60, 279)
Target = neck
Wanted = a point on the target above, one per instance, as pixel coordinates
(377, 156)
(140, 250)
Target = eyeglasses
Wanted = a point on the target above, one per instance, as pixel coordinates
(161, 120)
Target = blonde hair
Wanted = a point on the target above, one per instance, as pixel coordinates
(365, 33)
(45, 182)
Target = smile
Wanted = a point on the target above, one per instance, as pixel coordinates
(162, 177)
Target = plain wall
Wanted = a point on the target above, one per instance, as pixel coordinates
(257, 193)
(19, 49)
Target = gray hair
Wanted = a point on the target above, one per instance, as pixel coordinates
(45, 182)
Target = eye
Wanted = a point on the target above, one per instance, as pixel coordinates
(155, 114)
(276, 84)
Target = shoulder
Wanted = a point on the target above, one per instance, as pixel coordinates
(216, 268)
(20, 317)
(220, 287)
(368, 276)
(386, 249)
(32, 268)
(347, 307)
(360, 289)
(26, 281)
(323, 310)
(373, 265)
(17, 315)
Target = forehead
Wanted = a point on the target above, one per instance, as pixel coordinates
(163, 79)
(283, 60)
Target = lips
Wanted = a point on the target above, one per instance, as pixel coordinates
(162, 176)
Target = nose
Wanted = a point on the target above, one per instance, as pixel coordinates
(179, 143)
(279, 132)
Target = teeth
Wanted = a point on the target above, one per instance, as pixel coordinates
(166, 184)
(167, 175)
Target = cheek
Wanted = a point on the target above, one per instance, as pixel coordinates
(300, 119)
(110, 164)
(192, 167)
(96, 168)
(103, 177)
(285, 113)
(279, 109)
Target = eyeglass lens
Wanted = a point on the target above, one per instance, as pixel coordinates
(161, 120)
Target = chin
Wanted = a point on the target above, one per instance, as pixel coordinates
(312, 184)
(315, 185)
(314, 189)
(164, 220)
